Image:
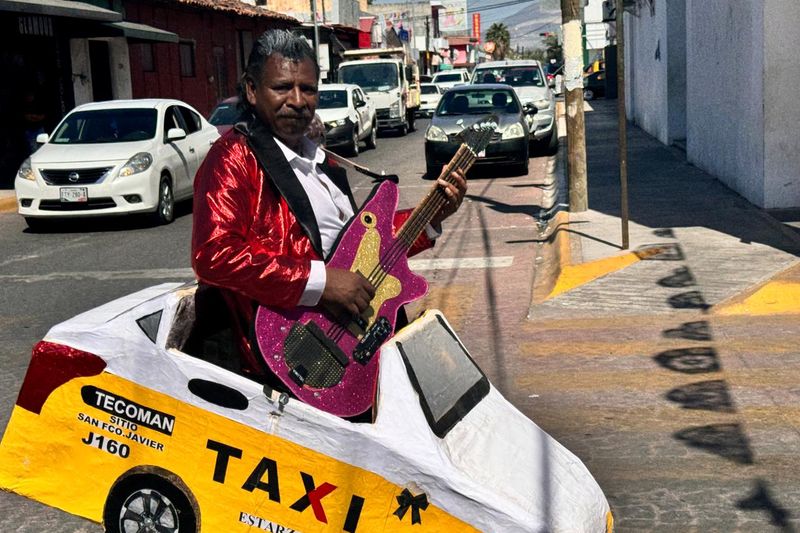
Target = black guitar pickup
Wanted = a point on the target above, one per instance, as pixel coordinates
(375, 337)
(314, 360)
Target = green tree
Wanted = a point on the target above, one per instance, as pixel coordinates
(498, 34)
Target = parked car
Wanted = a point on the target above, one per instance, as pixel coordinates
(118, 422)
(530, 83)
(430, 94)
(115, 158)
(594, 85)
(226, 114)
(446, 79)
(462, 106)
(349, 117)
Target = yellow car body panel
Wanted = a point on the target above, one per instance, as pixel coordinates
(241, 478)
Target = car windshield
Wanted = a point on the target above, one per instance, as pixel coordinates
(446, 77)
(429, 89)
(522, 76)
(332, 99)
(371, 76)
(106, 126)
(225, 114)
(477, 102)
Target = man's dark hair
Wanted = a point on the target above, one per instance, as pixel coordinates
(290, 45)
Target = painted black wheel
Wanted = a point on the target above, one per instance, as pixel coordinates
(147, 503)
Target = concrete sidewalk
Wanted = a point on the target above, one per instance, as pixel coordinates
(687, 230)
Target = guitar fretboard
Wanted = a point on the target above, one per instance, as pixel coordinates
(436, 197)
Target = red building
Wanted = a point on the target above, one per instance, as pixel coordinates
(204, 67)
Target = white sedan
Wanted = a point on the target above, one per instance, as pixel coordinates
(430, 94)
(113, 158)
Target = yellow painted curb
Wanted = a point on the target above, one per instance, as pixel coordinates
(573, 276)
(8, 204)
(774, 298)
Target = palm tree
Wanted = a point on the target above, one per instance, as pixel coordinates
(498, 34)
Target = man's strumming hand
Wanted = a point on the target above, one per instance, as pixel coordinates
(346, 293)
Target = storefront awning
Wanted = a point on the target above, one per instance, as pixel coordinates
(140, 32)
(61, 8)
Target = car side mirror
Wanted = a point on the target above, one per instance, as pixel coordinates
(530, 109)
(361, 103)
(42, 138)
(175, 134)
(551, 83)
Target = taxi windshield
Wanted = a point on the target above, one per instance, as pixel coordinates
(448, 381)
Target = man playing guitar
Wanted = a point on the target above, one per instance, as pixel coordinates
(266, 217)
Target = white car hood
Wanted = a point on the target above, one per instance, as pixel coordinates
(530, 94)
(334, 113)
(87, 154)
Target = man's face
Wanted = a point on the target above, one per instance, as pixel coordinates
(285, 98)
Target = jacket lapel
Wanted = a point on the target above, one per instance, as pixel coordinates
(274, 163)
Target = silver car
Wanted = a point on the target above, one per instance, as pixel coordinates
(530, 83)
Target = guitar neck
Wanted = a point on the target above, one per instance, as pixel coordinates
(436, 197)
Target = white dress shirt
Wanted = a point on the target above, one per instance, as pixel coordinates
(331, 208)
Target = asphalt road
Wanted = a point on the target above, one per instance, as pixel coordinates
(49, 277)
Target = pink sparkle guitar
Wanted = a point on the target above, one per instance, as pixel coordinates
(331, 364)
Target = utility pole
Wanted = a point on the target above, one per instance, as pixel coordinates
(622, 125)
(573, 100)
(316, 29)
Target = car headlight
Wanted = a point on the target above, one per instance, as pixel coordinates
(394, 110)
(513, 132)
(138, 163)
(542, 104)
(335, 123)
(435, 134)
(26, 171)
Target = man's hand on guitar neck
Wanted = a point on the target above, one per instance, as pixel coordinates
(454, 189)
(346, 293)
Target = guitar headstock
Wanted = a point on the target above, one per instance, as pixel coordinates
(478, 135)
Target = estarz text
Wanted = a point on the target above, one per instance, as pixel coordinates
(264, 477)
(264, 524)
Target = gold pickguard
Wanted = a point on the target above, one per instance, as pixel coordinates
(366, 260)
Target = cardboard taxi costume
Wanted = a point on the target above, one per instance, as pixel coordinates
(114, 423)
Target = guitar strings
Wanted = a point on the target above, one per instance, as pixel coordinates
(436, 199)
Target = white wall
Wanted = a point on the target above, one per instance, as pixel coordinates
(646, 70)
(725, 92)
(120, 65)
(81, 71)
(781, 108)
(676, 70)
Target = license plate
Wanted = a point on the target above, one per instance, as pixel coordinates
(74, 194)
(482, 153)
